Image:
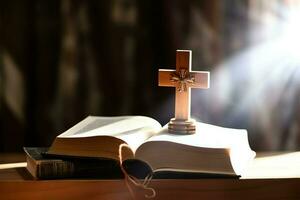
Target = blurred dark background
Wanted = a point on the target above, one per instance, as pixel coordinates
(61, 60)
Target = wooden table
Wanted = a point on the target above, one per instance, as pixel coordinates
(271, 176)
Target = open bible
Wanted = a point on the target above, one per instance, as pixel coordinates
(211, 150)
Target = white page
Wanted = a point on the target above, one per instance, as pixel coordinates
(210, 136)
(134, 130)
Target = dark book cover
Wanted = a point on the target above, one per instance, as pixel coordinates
(51, 167)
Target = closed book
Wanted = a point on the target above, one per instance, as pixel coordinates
(45, 167)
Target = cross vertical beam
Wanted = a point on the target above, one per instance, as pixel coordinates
(183, 79)
(183, 99)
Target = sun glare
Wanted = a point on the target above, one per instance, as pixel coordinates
(258, 85)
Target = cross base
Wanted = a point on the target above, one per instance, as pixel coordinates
(177, 126)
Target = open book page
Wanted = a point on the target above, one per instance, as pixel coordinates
(214, 140)
(134, 130)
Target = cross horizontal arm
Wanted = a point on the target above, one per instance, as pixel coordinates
(201, 79)
(164, 78)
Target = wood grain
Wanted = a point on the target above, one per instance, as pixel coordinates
(267, 180)
(184, 60)
(164, 78)
(165, 189)
(202, 80)
(183, 98)
(183, 105)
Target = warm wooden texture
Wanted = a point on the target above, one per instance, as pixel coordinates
(183, 60)
(183, 105)
(277, 177)
(165, 189)
(202, 80)
(183, 98)
(164, 78)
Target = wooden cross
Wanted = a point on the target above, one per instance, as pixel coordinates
(183, 79)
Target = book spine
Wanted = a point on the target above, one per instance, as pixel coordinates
(55, 169)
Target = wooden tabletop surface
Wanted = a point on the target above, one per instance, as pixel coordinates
(271, 176)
